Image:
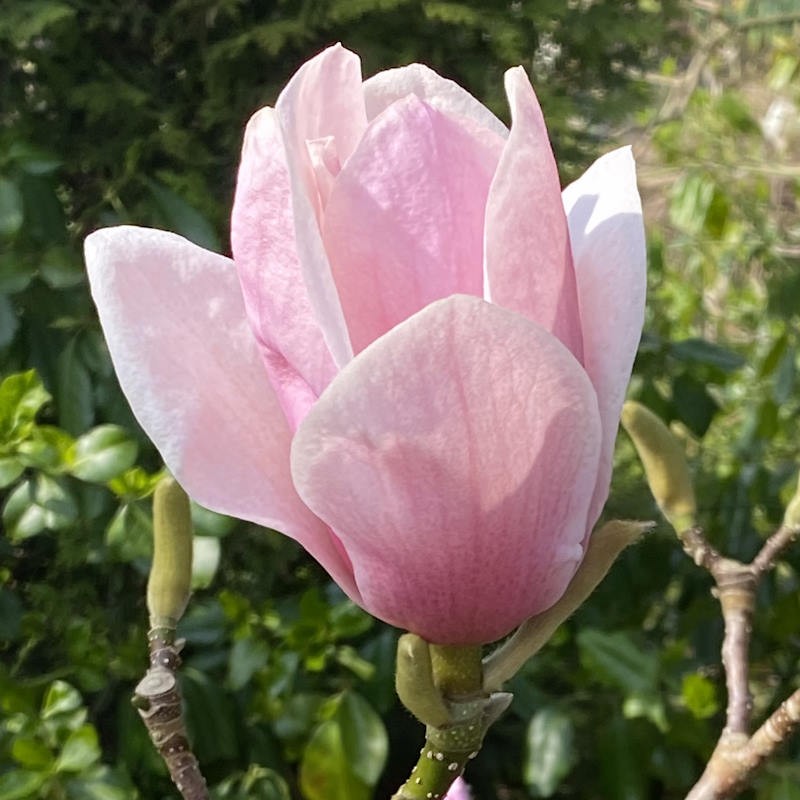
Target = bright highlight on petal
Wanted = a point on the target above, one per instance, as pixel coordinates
(605, 223)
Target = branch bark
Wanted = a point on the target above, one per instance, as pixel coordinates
(737, 754)
(158, 700)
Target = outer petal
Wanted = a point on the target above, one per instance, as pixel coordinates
(455, 457)
(175, 324)
(324, 98)
(608, 244)
(528, 260)
(383, 89)
(404, 223)
(262, 234)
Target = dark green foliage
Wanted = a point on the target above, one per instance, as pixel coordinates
(133, 111)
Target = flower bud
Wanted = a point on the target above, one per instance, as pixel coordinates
(791, 518)
(169, 586)
(415, 682)
(664, 465)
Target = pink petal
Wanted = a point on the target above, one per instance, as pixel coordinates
(324, 98)
(608, 245)
(455, 458)
(176, 328)
(298, 361)
(459, 791)
(383, 89)
(528, 261)
(404, 223)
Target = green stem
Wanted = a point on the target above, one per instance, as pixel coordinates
(458, 675)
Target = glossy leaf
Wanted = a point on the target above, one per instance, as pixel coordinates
(346, 753)
(549, 751)
(37, 504)
(102, 454)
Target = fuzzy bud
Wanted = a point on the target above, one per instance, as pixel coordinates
(169, 586)
(664, 465)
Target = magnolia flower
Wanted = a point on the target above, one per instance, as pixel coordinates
(459, 791)
(414, 364)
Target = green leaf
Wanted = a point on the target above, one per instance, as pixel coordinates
(211, 717)
(21, 397)
(136, 484)
(45, 449)
(9, 322)
(648, 705)
(247, 656)
(102, 454)
(129, 535)
(61, 698)
(258, 783)
(209, 523)
(736, 112)
(785, 377)
(75, 397)
(11, 208)
(616, 659)
(80, 751)
(10, 469)
(206, 552)
(549, 751)
(183, 218)
(10, 615)
(622, 767)
(21, 785)
(22, 23)
(15, 272)
(691, 197)
(60, 269)
(346, 754)
(694, 406)
(702, 352)
(699, 695)
(100, 783)
(37, 504)
(31, 753)
(781, 787)
(44, 216)
(32, 159)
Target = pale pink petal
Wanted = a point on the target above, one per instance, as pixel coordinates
(608, 245)
(323, 99)
(187, 361)
(404, 223)
(383, 89)
(459, 791)
(455, 457)
(528, 262)
(298, 361)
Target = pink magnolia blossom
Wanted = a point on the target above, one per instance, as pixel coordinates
(459, 791)
(414, 364)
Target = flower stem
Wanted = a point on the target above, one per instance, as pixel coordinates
(458, 675)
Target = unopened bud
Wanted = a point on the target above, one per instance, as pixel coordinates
(791, 519)
(664, 465)
(169, 586)
(415, 683)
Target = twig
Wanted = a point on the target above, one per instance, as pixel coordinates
(773, 547)
(158, 700)
(738, 755)
(158, 695)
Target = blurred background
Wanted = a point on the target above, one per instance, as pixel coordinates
(133, 111)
